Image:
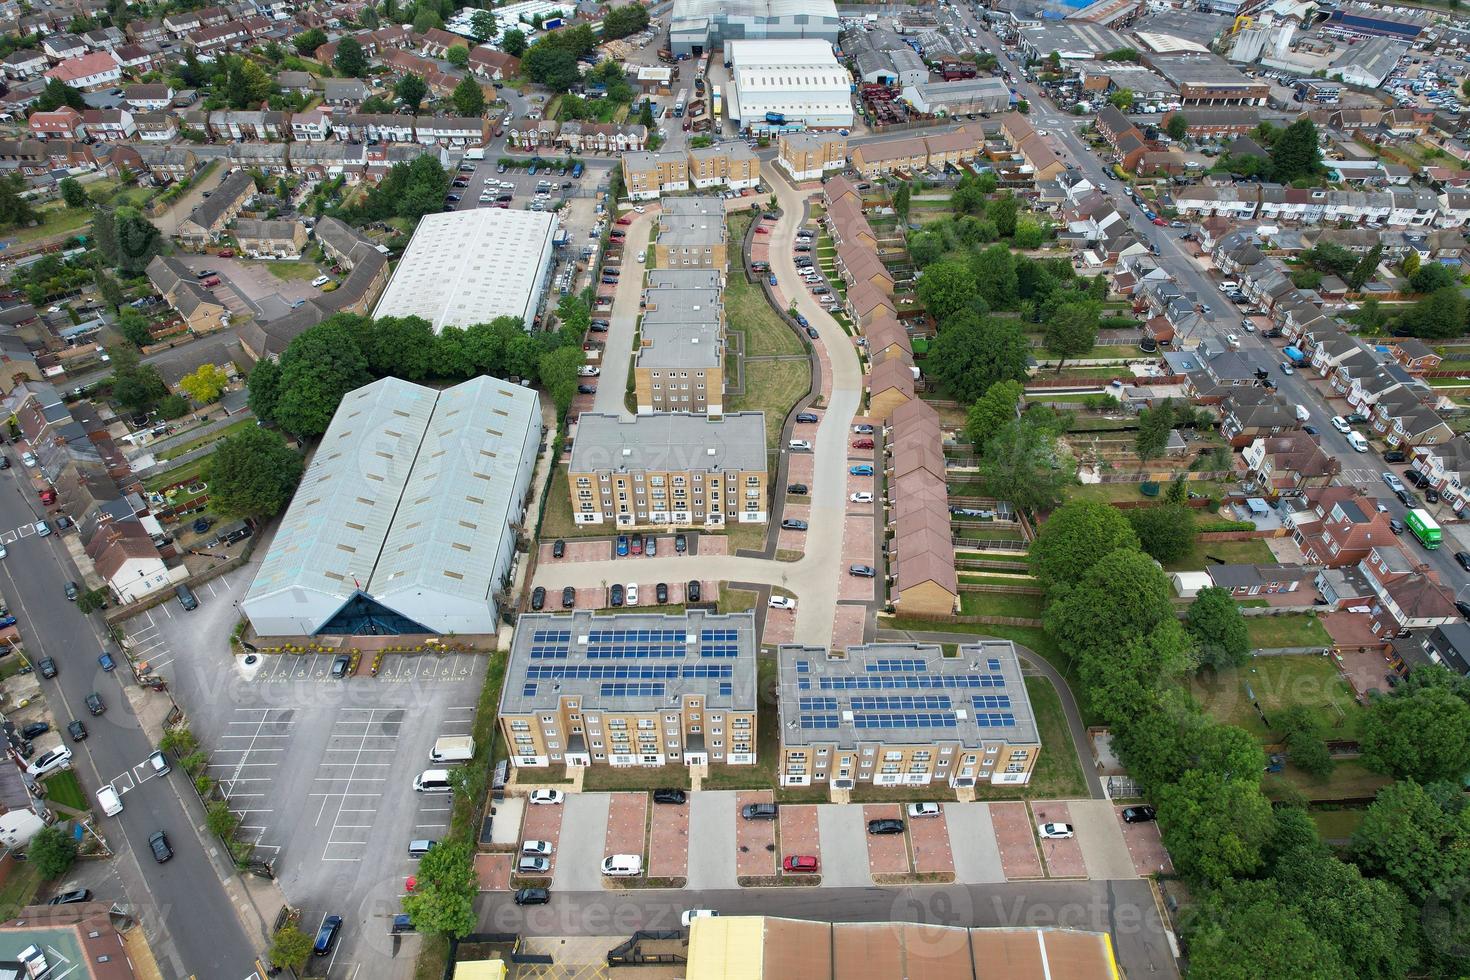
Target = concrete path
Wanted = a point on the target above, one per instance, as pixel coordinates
(972, 841)
(844, 846)
(1100, 833)
(612, 385)
(712, 839)
(579, 855)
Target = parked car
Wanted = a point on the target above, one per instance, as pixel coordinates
(1341, 424)
(1055, 831)
(162, 852)
(792, 524)
(759, 811)
(47, 667)
(799, 489)
(538, 598)
(861, 497)
(681, 544)
(77, 730)
(661, 593)
(558, 548)
(799, 863)
(862, 469)
(637, 544)
(106, 661)
(807, 418)
(631, 593)
(1138, 814)
(326, 935)
(622, 545)
(862, 571)
(675, 797)
(886, 826)
(862, 444)
(923, 810)
(691, 591)
(568, 597)
(545, 797)
(34, 730)
(615, 596)
(863, 429)
(532, 896)
(781, 602)
(94, 703)
(1463, 559)
(57, 758)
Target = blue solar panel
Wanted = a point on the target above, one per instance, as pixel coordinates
(549, 653)
(914, 720)
(817, 721)
(718, 636)
(804, 684)
(993, 664)
(551, 636)
(528, 690)
(900, 701)
(600, 671)
(995, 720)
(638, 651)
(727, 688)
(719, 651)
(618, 689)
(818, 704)
(992, 700)
(803, 667)
(706, 670)
(896, 666)
(873, 682)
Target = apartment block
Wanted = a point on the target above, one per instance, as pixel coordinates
(669, 469)
(807, 156)
(647, 175)
(901, 714)
(691, 234)
(733, 165)
(680, 363)
(632, 689)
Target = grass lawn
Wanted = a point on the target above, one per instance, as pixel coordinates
(215, 436)
(1251, 552)
(293, 271)
(179, 474)
(613, 778)
(762, 775)
(1106, 493)
(1287, 631)
(1000, 604)
(1336, 824)
(20, 889)
(1058, 774)
(557, 521)
(772, 387)
(63, 788)
(1278, 683)
(1349, 781)
(748, 312)
(750, 537)
(56, 219)
(736, 600)
(978, 578)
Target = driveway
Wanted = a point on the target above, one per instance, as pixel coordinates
(579, 861)
(712, 817)
(846, 846)
(613, 384)
(972, 839)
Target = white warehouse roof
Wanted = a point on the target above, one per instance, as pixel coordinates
(801, 79)
(408, 502)
(466, 267)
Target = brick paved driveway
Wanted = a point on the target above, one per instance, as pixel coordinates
(755, 840)
(888, 854)
(1019, 857)
(668, 844)
(930, 840)
(799, 834)
(1145, 847)
(627, 823)
(493, 871)
(1063, 857)
(544, 823)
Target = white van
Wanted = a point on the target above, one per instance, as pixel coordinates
(1302, 415)
(452, 748)
(622, 865)
(432, 781)
(476, 153)
(1356, 440)
(109, 800)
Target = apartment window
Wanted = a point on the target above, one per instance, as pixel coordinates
(548, 719)
(892, 756)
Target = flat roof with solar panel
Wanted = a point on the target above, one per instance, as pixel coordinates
(631, 661)
(896, 693)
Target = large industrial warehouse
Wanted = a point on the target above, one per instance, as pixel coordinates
(700, 25)
(799, 81)
(401, 524)
(467, 267)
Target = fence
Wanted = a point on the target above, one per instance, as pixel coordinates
(1001, 589)
(972, 620)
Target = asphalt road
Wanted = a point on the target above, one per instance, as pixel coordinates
(1124, 908)
(185, 897)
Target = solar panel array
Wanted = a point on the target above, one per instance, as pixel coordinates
(992, 700)
(621, 689)
(585, 672)
(818, 704)
(619, 644)
(993, 663)
(889, 665)
(901, 720)
(899, 702)
(995, 720)
(719, 643)
(818, 721)
(871, 682)
(727, 688)
(550, 644)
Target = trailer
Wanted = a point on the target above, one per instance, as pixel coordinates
(680, 102)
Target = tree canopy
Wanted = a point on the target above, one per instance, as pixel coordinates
(1218, 628)
(349, 58)
(252, 474)
(1076, 536)
(1418, 733)
(1025, 464)
(973, 352)
(1295, 154)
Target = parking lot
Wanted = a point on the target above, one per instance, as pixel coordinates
(260, 291)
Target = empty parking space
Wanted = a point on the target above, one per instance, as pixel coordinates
(712, 819)
(246, 763)
(1105, 854)
(493, 871)
(1145, 846)
(799, 468)
(426, 667)
(800, 834)
(849, 625)
(627, 824)
(1016, 838)
(351, 778)
(584, 830)
(780, 627)
(973, 842)
(888, 854)
(929, 838)
(668, 841)
(1063, 857)
(842, 834)
(755, 840)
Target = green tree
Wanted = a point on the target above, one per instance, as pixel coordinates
(550, 65)
(349, 59)
(410, 90)
(925, 249)
(645, 116)
(992, 411)
(558, 373)
(1177, 127)
(1421, 734)
(514, 42)
(264, 385)
(57, 94)
(1305, 738)
(400, 346)
(1431, 277)
(901, 200)
(1410, 264)
(134, 327)
(1003, 211)
(308, 41)
(92, 600)
(289, 947)
(252, 474)
(243, 83)
(483, 26)
(1295, 154)
(1121, 99)
(1214, 827)
(443, 899)
(126, 239)
(206, 384)
(172, 406)
(622, 21)
(1076, 536)
(73, 193)
(51, 852)
(994, 271)
(15, 210)
(1438, 316)
(1124, 594)
(220, 820)
(317, 369)
(1218, 628)
(1409, 838)
(427, 20)
(1244, 930)
(1365, 269)
(137, 387)
(1024, 464)
(1029, 234)
(1154, 426)
(972, 353)
(458, 55)
(1165, 532)
(452, 357)
(1072, 330)
(946, 288)
(468, 97)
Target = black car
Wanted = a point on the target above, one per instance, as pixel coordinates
(159, 843)
(1394, 456)
(661, 593)
(538, 598)
(800, 489)
(885, 826)
(1395, 525)
(326, 936)
(35, 729)
(596, 328)
(72, 897)
(586, 390)
(1138, 814)
(1416, 479)
(47, 667)
(568, 597)
(862, 571)
(94, 703)
(558, 548)
(674, 796)
(77, 731)
(1463, 607)
(615, 595)
(1407, 499)
(452, 198)
(340, 664)
(601, 323)
(1463, 557)
(532, 896)
(812, 333)
(792, 524)
(1431, 496)
(759, 811)
(681, 544)
(691, 591)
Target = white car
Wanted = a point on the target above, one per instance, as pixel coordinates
(799, 445)
(110, 801)
(537, 848)
(57, 758)
(630, 594)
(640, 209)
(642, 257)
(3, 552)
(1055, 831)
(782, 602)
(1341, 424)
(690, 915)
(862, 497)
(546, 796)
(923, 810)
(320, 281)
(29, 459)
(588, 371)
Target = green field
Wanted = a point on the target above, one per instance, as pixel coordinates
(1000, 604)
(218, 434)
(1251, 552)
(1336, 824)
(1277, 683)
(772, 387)
(1286, 631)
(557, 520)
(1058, 775)
(56, 219)
(64, 789)
(293, 271)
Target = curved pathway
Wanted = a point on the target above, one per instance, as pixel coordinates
(815, 577)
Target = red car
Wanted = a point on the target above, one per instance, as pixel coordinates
(211, 282)
(48, 496)
(862, 444)
(762, 230)
(1160, 222)
(799, 862)
(227, 253)
(625, 221)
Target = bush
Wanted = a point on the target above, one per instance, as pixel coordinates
(220, 820)
(52, 852)
(178, 740)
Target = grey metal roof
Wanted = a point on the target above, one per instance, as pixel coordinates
(670, 442)
(976, 697)
(652, 649)
(680, 328)
(692, 222)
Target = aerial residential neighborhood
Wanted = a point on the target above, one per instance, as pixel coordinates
(965, 488)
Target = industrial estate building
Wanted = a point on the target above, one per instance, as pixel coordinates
(691, 234)
(963, 96)
(696, 26)
(682, 333)
(801, 83)
(900, 714)
(673, 468)
(468, 267)
(632, 689)
(403, 520)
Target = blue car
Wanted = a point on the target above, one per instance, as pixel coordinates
(106, 661)
(802, 321)
(772, 280)
(860, 470)
(622, 546)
